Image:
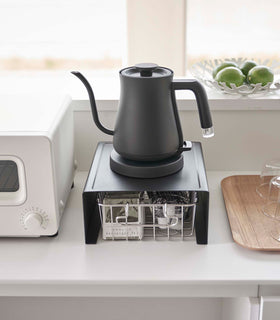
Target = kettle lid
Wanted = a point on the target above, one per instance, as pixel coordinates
(146, 70)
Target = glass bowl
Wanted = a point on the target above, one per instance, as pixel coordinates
(203, 72)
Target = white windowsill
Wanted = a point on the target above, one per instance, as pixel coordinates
(106, 89)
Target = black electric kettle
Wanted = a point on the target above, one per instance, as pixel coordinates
(147, 138)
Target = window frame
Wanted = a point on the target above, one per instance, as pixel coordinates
(161, 37)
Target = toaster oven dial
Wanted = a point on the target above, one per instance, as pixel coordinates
(34, 220)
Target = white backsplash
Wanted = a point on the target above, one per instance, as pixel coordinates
(243, 139)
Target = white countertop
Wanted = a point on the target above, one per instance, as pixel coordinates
(65, 266)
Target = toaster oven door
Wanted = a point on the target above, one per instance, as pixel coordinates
(12, 181)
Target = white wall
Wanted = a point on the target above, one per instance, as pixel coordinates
(243, 139)
(58, 308)
(109, 309)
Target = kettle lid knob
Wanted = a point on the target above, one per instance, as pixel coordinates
(146, 69)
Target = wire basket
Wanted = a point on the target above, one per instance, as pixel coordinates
(133, 218)
(203, 72)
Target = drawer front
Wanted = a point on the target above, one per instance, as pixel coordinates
(270, 308)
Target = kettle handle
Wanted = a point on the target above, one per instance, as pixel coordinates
(202, 103)
(92, 103)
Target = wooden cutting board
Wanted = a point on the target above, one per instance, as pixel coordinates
(249, 226)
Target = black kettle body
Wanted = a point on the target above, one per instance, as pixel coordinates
(148, 127)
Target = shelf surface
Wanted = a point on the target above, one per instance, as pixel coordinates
(191, 177)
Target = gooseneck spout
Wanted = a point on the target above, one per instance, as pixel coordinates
(92, 103)
(202, 103)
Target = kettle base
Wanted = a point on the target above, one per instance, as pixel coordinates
(141, 169)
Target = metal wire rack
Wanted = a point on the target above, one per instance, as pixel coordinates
(135, 218)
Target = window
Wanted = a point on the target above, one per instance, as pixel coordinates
(110, 34)
(57, 34)
(225, 29)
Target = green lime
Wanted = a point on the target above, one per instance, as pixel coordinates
(222, 66)
(230, 75)
(247, 65)
(260, 74)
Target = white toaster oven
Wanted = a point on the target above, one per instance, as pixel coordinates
(36, 163)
